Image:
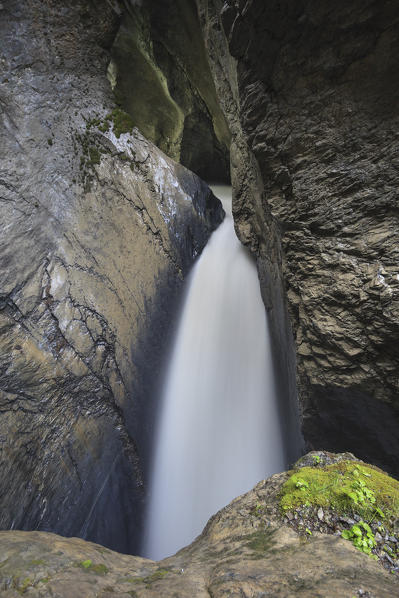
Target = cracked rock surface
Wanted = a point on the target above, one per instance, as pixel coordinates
(244, 551)
(311, 93)
(98, 229)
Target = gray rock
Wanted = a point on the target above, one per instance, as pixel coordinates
(97, 234)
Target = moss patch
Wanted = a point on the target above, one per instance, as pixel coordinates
(359, 501)
(122, 122)
(261, 541)
(149, 579)
(88, 565)
(346, 487)
(95, 155)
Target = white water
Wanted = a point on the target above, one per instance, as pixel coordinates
(219, 432)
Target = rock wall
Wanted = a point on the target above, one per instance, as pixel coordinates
(313, 109)
(161, 77)
(98, 229)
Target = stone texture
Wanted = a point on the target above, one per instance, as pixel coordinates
(313, 109)
(97, 232)
(161, 76)
(244, 551)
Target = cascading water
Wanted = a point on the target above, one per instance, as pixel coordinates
(219, 431)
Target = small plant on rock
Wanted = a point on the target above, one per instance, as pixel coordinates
(361, 537)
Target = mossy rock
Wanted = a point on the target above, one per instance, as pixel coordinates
(88, 565)
(123, 123)
(346, 487)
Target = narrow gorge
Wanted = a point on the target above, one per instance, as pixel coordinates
(162, 351)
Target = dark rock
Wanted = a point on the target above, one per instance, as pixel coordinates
(312, 103)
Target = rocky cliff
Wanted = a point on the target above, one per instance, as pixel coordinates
(98, 229)
(247, 549)
(311, 93)
(160, 75)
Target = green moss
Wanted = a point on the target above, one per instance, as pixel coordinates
(24, 585)
(95, 155)
(158, 574)
(123, 123)
(37, 562)
(104, 127)
(94, 122)
(88, 565)
(346, 487)
(149, 579)
(261, 541)
(50, 141)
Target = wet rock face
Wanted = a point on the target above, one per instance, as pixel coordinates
(161, 77)
(98, 231)
(244, 550)
(317, 91)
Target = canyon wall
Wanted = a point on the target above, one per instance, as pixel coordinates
(98, 229)
(161, 77)
(310, 90)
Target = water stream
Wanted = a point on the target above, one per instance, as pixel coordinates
(219, 432)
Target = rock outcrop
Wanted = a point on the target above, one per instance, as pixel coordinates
(161, 77)
(311, 93)
(245, 550)
(98, 230)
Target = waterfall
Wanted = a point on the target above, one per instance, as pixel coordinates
(219, 431)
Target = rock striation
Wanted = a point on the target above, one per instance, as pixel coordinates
(244, 550)
(98, 229)
(311, 94)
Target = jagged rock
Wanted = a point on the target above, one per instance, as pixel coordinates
(311, 94)
(244, 550)
(98, 230)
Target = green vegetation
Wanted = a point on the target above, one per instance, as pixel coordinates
(25, 584)
(261, 541)
(88, 565)
(158, 574)
(346, 487)
(95, 155)
(361, 536)
(123, 123)
(149, 579)
(91, 145)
